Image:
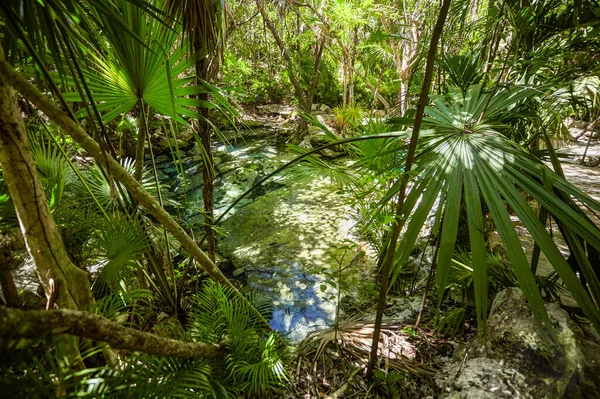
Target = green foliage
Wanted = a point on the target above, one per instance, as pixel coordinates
(253, 364)
(451, 323)
(386, 382)
(8, 214)
(120, 243)
(348, 117)
(142, 66)
(463, 70)
(53, 169)
(464, 160)
(252, 85)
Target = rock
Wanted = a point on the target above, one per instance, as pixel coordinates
(191, 183)
(239, 272)
(329, 153)
(314, 130)
(305, 143)
(314, 107)
(318, 138)
(253, 123)
(513, 336)
(586, 384)
(482, 378)
(274, 109)
(245, 175)
(324, 108)
(403, 309)
(170, 170)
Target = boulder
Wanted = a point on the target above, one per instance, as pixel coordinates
(513, 336)
(403, 309)
(515, 360)
(324, 108)
(585, 383)
(244, 175)
(482, 378)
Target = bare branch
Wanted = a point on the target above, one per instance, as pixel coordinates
(17, 323)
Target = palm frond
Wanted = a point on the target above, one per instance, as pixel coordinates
(495, 169)
(53, 168)
(120, 244)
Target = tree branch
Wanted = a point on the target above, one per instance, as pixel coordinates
(295, 81)
(17, 323)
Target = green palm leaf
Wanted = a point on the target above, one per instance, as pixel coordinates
(143, 67)
(464, 159)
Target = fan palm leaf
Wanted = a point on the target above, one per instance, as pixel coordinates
(465, 159)
(53, 168)
(120, 244)
(143, 67)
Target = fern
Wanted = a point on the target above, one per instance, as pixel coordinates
(253, 364)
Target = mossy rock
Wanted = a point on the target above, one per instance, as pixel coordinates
(514, 336)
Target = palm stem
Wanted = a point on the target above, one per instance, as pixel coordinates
(390, 252)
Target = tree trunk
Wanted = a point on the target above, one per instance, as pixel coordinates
(362, 77)
(379, 79)
(9, 289)
(204, 132)
(140, 147)
(352, 69)
(294, 78)
(344, 81)
(33, 324)
(42, 238)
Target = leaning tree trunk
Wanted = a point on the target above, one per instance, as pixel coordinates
(61, 279)
(390, 250)
(35, 324)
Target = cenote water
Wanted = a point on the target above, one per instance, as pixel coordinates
(284, 239)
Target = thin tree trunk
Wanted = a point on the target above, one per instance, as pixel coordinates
(351, 71)
(344, 81)
(301, 95)
(140, 147)
(379, 79)
(41, 235)
(390, 252)
(345, 54)
(208, 170)
(286, 56)
(70, 127)
(33, 324)
(362, 77)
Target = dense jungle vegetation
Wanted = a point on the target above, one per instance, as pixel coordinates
(436, 125)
